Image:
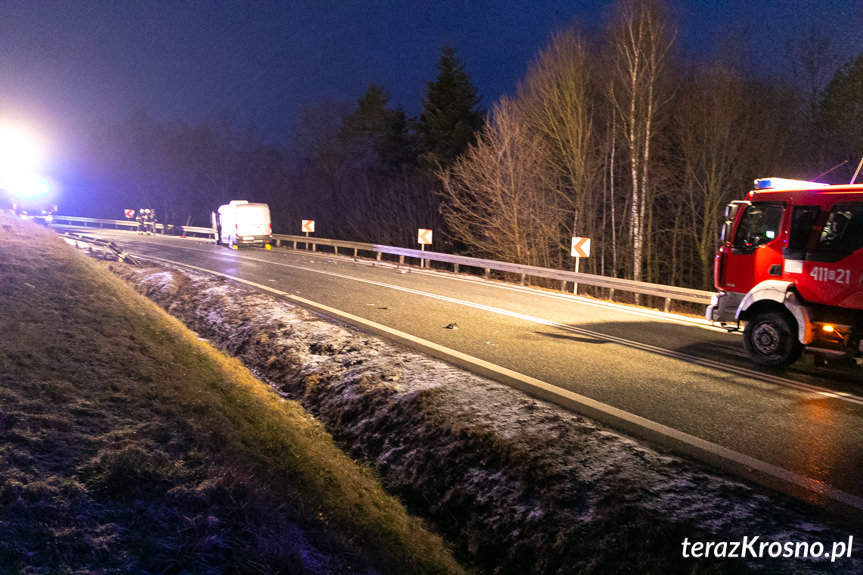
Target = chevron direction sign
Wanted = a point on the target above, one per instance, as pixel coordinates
(580, 247)
(424, 237)
(309, 226)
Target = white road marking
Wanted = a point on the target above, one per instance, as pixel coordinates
(566, 398)
(704, 362)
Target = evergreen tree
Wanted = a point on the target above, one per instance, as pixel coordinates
(451, 116)
(378, 137)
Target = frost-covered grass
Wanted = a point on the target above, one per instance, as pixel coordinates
(520, 486)
(127, 445)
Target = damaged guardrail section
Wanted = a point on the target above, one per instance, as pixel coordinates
(105, 249)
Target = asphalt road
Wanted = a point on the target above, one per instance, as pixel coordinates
(675, 375)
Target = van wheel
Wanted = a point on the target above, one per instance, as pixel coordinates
(771, 340)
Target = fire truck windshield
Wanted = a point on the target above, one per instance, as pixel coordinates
(759, 224)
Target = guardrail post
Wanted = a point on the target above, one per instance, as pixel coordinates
(379, 255)
(563, 286)
(401, 260)
(355, 253)
(455, 268)
(522, 278)
(336, 248)
(667, 304)
(487, 273)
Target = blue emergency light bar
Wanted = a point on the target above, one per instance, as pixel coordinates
(786, 184)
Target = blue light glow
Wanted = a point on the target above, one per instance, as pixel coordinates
(786, 184)
(29, 188)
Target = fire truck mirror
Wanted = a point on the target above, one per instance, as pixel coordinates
(725, 234)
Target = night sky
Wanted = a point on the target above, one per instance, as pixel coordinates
(66, 64)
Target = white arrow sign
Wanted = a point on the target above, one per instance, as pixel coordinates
(581, 247)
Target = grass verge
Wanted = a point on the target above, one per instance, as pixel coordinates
(129, 445)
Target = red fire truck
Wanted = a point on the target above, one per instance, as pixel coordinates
(790, 270)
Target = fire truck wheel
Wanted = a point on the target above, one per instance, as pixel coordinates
(771, 340)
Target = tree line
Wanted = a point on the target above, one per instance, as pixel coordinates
(365, 172)
(608, 136)
(615, 140)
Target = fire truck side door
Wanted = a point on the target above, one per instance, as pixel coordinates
(833, 272)
(756, 248)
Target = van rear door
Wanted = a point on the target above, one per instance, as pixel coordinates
(253, 220)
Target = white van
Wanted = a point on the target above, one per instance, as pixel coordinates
(243, 223)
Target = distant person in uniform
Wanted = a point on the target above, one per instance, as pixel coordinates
(151, 222)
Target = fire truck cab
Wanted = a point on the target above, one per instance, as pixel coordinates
(790, 270)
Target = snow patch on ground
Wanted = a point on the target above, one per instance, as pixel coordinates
(517, 484)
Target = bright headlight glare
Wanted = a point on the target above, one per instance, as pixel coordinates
(25, 187)
(21, 151)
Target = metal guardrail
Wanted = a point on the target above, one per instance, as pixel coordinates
(197, 231)
(98, 223)
(668, 293)
(102, 245)
(131, 224)
(644, 288)
(335, 244)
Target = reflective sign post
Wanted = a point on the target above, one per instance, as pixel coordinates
(580, 249)
(308, 227)
(423, 237)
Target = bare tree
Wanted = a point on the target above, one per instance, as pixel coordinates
(611, 138)
(560, 107)
(390, 208)
(641, 45)
(496, 202)
(714, 123)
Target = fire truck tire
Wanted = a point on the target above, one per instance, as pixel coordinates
(771, 340)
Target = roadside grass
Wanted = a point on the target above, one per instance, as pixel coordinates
(127, 444)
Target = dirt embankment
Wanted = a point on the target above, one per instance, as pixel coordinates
(519, 486)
